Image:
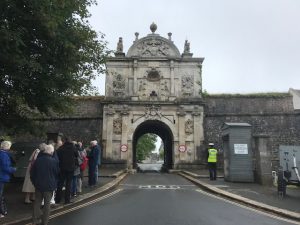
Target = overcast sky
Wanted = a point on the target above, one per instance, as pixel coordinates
(248, 45)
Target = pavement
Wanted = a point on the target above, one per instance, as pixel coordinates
(251, 194)
(254, 195)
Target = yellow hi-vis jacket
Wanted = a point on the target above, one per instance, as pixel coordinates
(212, 155)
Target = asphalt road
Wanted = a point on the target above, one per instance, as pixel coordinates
(162, 199)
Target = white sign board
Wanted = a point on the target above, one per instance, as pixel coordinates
(241, 149)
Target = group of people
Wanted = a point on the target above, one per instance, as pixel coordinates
(51, 168)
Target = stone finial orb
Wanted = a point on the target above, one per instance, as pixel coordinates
(170, 36)
(136, 35)
(153, 27)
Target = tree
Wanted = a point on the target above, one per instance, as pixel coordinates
(49, 53)
(145, 146)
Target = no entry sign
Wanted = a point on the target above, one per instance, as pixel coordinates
(124, 148)
(182, 148)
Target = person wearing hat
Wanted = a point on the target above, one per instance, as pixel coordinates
(212, 161)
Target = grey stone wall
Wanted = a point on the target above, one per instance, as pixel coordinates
(273, 116)
(84, 123)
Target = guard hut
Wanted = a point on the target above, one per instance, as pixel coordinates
(238, 165)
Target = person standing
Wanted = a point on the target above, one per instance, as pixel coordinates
(93, 162)
(28, 187)
(74, 190)
(44, 175)
(67, 156)
(6, 170)
(83, 157)
(212, 161)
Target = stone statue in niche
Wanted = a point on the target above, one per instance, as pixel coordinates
(120, 45)
(189, 126)
(117, 126)
(118, 85)
(153, 48)
(187, 85)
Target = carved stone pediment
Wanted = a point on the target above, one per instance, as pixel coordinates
(153, 46)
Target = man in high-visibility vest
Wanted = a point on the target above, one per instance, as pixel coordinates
(212, 161)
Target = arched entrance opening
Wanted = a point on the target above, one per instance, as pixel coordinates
(163, 131)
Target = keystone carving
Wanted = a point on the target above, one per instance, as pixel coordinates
(153, 112)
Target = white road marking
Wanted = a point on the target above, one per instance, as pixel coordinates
(158, 186)
(83, 205)
(249, 208)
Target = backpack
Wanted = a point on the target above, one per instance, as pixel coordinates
(84, 163)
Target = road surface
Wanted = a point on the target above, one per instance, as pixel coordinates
(162, 199)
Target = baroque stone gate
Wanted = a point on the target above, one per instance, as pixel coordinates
(153, 89)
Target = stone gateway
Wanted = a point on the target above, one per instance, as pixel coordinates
(153, 89)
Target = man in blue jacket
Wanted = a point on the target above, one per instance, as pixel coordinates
(6, 170)
(44, 177)
(93, 162)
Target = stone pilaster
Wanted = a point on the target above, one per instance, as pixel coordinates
(108, 128)
(198, 129)
(125, 120)
(172, 80)
(181, 131)
(135, 83)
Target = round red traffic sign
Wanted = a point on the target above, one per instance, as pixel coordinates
(182, 148)
(124, 148)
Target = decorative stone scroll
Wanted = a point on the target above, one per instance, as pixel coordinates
(109, 110)
(118, 85)
(117, 126)
(187, 85)
(181, 111)
(189, 126)
(125, 110)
